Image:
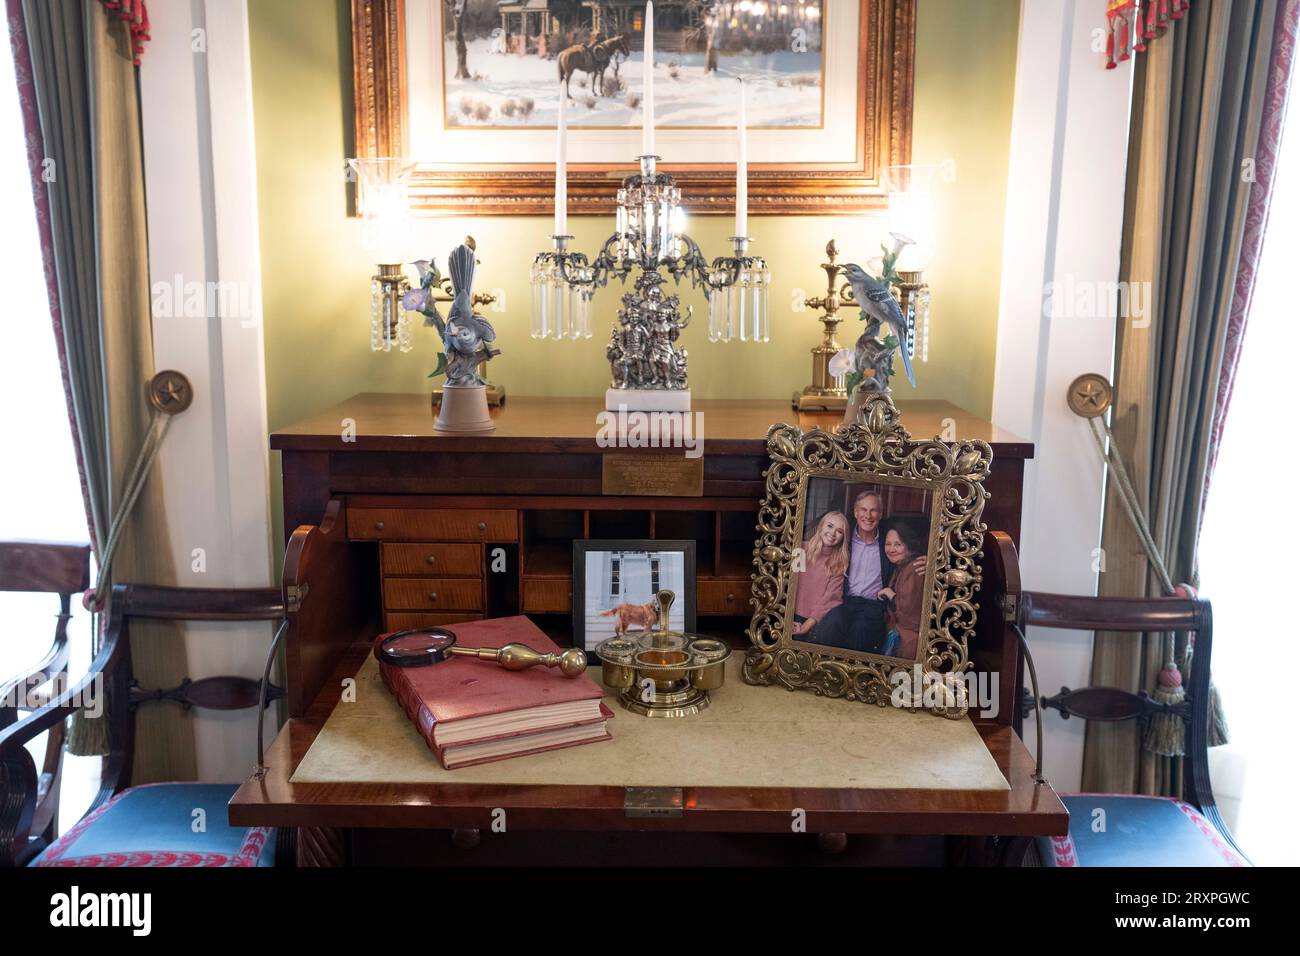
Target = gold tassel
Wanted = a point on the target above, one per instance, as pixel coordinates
(1166, 733)
(87, 736)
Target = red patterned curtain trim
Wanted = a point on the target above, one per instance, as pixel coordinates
(1131, 23)
(36, 162)
(1281, 63)
(136, 14)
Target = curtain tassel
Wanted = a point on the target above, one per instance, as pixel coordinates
(1218, 729)
(1166, 732)
(1139, 34)
(87, 736)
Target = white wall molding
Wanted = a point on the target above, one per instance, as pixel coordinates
(204, 265)
(1065, 206)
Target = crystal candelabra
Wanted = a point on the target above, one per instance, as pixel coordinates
(648, 367)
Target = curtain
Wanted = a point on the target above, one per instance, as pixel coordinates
(1198, 100)
(88, 179)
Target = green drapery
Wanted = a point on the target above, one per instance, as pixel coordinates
(1197, 101)
(89, 118)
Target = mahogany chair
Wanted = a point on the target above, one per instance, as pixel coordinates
(1139, 830)
(42, 567)
(153, 824)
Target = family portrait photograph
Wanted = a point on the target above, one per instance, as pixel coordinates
(862, 584)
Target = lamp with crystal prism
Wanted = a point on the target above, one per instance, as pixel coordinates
(383, 201)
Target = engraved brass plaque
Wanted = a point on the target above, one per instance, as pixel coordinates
(668, 476)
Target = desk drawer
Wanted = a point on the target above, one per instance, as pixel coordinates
(543, 595)
(399, 524)
(722, 597)
(445, 560)
(410, 620)
(433, 594)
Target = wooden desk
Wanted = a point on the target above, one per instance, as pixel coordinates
(383, 514)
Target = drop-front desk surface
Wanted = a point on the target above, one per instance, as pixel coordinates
(392, 525)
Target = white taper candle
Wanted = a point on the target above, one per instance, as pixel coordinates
(561, 171)
(742, 171)
(648, 83)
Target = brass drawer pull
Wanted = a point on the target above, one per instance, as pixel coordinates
(429, 560)
(433, 595)
(379, 526)
(731, 597)
(482, 525)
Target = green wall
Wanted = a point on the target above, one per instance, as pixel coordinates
(315, 289)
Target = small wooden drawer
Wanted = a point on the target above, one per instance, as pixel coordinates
(444, 560)
(408, 621)
(427, 524)
(548, 595)
(433, 594)
(722, 597)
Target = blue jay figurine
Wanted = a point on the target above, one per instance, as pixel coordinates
(466, 336)
(874, 359)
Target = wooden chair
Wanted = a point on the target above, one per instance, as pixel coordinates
(1139, 830)
(150, 825)
(42, 567)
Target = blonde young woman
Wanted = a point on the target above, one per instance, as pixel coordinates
(821, 584)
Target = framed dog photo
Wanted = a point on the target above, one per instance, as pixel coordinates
(615, 583)
(867, 563)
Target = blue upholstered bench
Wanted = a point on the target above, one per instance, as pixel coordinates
(1139, 831)
(155, 825)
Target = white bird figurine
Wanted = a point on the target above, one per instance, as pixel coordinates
(877, 301)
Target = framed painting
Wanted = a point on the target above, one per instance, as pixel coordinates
(469, 91)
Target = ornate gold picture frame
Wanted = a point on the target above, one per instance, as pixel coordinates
(877, 453)
(391, 44)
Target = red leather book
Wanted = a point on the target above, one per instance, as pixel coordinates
(472, 711)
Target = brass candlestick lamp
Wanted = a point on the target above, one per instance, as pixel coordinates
(383, 202)
(826, 393)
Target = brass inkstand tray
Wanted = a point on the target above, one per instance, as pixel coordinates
(663, 673)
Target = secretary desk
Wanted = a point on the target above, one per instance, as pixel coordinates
(390, 525)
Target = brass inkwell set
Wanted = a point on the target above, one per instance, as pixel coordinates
(663, 673)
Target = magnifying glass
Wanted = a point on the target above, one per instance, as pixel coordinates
(433, 645)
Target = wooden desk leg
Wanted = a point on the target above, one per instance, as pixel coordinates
(832, 843)
(466, 838)
(988, 851)
(322, 846)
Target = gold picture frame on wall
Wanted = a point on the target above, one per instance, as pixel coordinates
(401, 64)
(875, 538)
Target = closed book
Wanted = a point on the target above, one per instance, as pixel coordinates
(473, 711)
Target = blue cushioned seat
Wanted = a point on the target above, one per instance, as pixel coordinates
(155, 825)
(1138, 831)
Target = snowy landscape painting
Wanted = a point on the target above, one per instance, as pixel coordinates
(504, 61)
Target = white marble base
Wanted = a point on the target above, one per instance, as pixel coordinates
(648, 399)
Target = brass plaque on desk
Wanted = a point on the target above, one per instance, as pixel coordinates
(668, 476)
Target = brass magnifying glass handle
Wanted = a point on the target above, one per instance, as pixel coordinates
(517, 657)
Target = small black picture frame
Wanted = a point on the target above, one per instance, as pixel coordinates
(627, 573)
